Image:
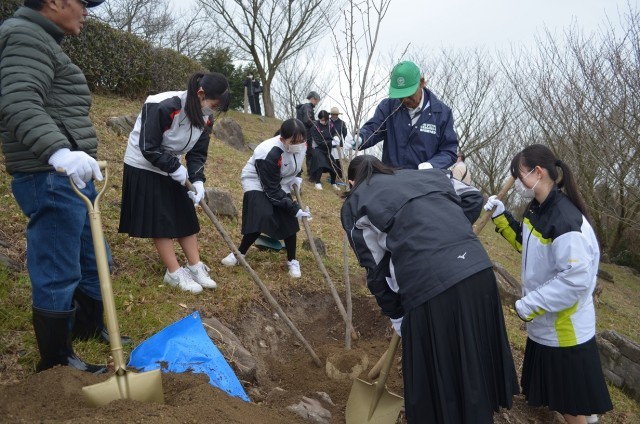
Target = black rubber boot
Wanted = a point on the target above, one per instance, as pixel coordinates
(89, 323)
(53, 335)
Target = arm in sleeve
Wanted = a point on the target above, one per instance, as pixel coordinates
(447, 153)
(307, 116)
(377, 273)
(269, 174)
(154, 120)
(510, 229)
(375, 129)
(23, 90)
(319, 139)
(197, 156)
(571, 255)
(470, 199)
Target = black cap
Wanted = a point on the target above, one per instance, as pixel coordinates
(313, 94)
(94, 3)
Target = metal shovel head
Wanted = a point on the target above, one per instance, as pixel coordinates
(143, 387)
(364, 408)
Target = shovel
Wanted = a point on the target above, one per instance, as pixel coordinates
(372, 403)
(143, 387)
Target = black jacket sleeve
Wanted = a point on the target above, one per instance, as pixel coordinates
(156, 117)
(197, 156)
(268, 170)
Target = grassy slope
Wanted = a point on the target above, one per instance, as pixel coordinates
(145, 305)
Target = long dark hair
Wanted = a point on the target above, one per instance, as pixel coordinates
(215, 86)
(362, 168)
(293, 128)
(323, 114)
(542, 156)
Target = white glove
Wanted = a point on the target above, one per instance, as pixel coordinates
(396, 323)
(425, 165)
(297, 181)
(199, 194)
(78, 165)
(353, 142)
(335, 142)
(306, 213)
(180, 175)
(494, 201)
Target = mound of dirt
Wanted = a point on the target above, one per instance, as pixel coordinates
(285, 374)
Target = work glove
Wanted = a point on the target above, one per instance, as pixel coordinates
(494, 201)
(425, 165)
(199, 194)
(180, 175)
(396, 323)
(306, 213)
(353, 142)
(78, 165)
(519, 308)
(296, 181)
(335, 142)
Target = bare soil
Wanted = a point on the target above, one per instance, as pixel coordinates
(285, 374)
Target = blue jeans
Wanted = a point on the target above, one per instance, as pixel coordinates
(60, 254)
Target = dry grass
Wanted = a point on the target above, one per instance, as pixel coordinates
(145, 305)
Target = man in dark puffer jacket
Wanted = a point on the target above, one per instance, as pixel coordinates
(44, 126)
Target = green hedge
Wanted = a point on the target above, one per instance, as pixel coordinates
(120, 63)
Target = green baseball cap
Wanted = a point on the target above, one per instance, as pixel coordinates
(405, 79)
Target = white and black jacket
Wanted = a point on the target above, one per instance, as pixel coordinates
(410, 233)
(560, 257)
(162, 133)
(272, 170)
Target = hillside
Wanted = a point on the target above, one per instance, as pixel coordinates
(145, 305)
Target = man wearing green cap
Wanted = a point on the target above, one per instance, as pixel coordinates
(45, 128)
(415, 125)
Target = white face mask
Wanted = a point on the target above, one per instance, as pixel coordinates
(296, 148)
(525, 192)
(207, 111)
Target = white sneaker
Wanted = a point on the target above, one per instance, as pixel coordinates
(294, 268)
(181, 279)
(200, 274)
(318, 186)
(230, 260)
(592, 419)
(335, 187)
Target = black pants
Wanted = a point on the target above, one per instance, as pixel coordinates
(254, 104)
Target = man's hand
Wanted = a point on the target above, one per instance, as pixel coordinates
(78, 165)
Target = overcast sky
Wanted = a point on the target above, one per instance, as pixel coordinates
(485, 23)
(491, 23)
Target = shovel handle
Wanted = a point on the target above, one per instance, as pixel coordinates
(104, 274)
(384, 374)
(487, 215)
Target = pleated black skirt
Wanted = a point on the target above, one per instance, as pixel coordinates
(568, 380)
(260, 216)
(456, 359)
(155, 206)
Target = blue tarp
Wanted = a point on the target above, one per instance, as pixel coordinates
(184, 346)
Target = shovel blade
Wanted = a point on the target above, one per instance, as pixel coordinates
(363, 397)
(143, 387)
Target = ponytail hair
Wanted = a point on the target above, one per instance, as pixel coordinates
(542, 156)
(362, 168)
(215, 87)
